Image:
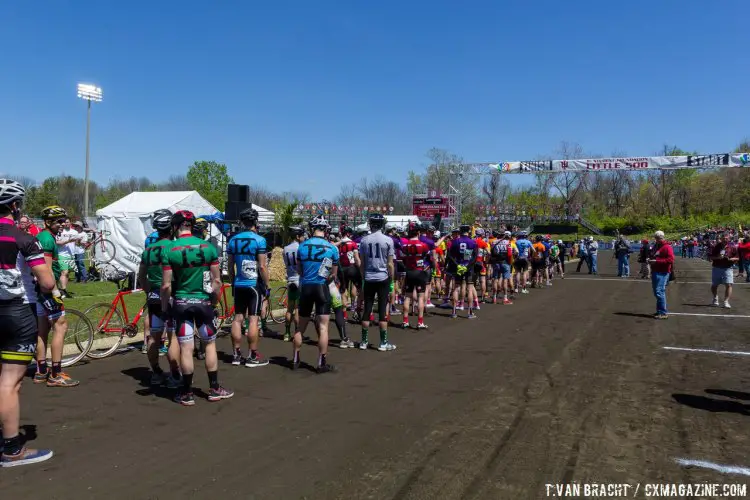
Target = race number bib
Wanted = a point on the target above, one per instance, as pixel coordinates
(350, 256)
(249, 269)
(207, 282)
(325, 268)
(468, 253)
(420, 263)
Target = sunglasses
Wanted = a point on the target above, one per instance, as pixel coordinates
(59, 221)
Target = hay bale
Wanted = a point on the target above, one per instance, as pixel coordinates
(277, 268)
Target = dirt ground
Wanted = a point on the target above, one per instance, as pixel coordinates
(569, 384)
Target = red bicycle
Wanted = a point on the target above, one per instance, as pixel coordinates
(111, 325)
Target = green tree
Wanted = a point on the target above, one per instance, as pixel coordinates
(210, 179)
(285, 218)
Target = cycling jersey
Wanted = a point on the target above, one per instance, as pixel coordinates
(19, 252)
(415, 255)
(152, 257)
(290, 262)
(151, 239)
(483, 249)
(246, 248)
(502, 251)
(189, 258)
(346, 252)
(554, 252)
(49, 245)
(524, 248)
(431, 245)
(539, 249)
(317, 257)
(375, 249)
(463, 250)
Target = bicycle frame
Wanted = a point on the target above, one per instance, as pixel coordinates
(120, 300)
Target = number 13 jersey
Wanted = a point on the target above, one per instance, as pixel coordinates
(317, 257)
(189, 258)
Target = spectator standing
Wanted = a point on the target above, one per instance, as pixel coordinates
(661, 261)
(622, 253)
(78, 252)
(65, 247)
(592, 248)
(723, 256)
(28, 227)
(583, 256)
(643, 257)
(744, 251)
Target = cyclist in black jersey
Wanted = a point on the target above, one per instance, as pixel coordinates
(21, 260)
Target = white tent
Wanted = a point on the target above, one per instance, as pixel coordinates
(265, 217)
(127, 221)
(401, 220)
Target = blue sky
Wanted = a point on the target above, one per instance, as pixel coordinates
(310, 95)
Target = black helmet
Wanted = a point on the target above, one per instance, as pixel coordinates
(162, 221)
(320, 223)
(296, 231)
(249, 216)
(376, 221)
(182, 217)
(163, 212)
(465, 228)
(347, 231)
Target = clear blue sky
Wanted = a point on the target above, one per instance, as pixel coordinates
(310, 95)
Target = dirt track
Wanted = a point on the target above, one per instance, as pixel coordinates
(568, 384)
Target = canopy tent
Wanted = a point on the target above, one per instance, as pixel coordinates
(127, 221)
(401, 220)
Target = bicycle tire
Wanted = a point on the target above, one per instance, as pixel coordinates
(278, 302)
(103, 250)
(82, 332)
(98, 312)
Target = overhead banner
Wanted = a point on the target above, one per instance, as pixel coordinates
(724, 160)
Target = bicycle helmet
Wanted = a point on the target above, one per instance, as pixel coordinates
(296, 231)
(480, 232)
(249, 216)
(376, 221)
(347, 231)
(54, 212)
(162, 221)
(200, 225)
(183, 216)
(464, 228)
(11, 191)
(319, 223)
(162, 211)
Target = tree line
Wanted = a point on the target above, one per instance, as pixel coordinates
(686, 198)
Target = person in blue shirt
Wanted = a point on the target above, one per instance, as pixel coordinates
(154, 237)
(317, 265)
(521, 263)
(248, 272)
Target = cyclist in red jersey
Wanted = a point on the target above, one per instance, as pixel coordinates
(415, 256)
(349, 270)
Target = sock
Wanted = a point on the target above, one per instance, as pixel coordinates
(213, 379)
(341, 322)
(187, 382)
(56, 369)
(383, 336)
(238, 352)
(288, 329)
(364, 335)
(175, 374)
(296, 356)
(406, 317)
(157, 369)
(322, 360)
(420, 320)
(41, 366)
(12, 446)
(263, 324)
(253, 354)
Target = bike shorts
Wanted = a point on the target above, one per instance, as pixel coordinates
(350, 275)
(521, 265)
(381, 290)
(18, 332)
(416, 280)
(538, 265)
(153, 306)
(400, 267)
(193, 315)
(480, 269)
(317, 296)
(292, 292)
(468, 277)
(248, 300)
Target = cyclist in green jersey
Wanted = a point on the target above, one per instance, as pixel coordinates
(50, 309)
(150, 280)
(194, 266)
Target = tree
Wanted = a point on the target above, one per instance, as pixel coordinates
(569, 184)
(285, 218)
(210, 179)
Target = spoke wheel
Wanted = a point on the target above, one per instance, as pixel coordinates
(107, 334)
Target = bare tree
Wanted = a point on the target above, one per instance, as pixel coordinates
(569, 184)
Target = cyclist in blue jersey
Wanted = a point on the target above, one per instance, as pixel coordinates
(317, 264)
(521, 263)
(248, 265)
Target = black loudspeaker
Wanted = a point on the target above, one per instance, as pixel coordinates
(238, 192)
(436, 221)
(232, 209)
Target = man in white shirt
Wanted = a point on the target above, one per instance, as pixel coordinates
(65, 248)
(79, 251)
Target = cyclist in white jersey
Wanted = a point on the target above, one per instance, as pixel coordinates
(292, 280)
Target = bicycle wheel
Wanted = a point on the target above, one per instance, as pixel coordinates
(103, 250)
(277, 305)
(108, 330)
(78, 339)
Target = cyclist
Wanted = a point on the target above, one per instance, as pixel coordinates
(150, 240)
(292, 281)
(521, 262)
(317, 265)
(480, 268)
(426, 237)
(350, 277)
(21, 260)
(50, 309)
(462, 256)
(194, 265)
(415, 253)
(501, 256)
(538, 263)
(150, 275)
(377, 267)
(248, 266)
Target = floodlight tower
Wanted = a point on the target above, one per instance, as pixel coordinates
(89, 93)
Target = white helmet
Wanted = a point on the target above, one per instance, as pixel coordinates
(11, 191)
(559, 242)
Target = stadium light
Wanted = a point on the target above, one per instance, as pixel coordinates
(89, 93)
